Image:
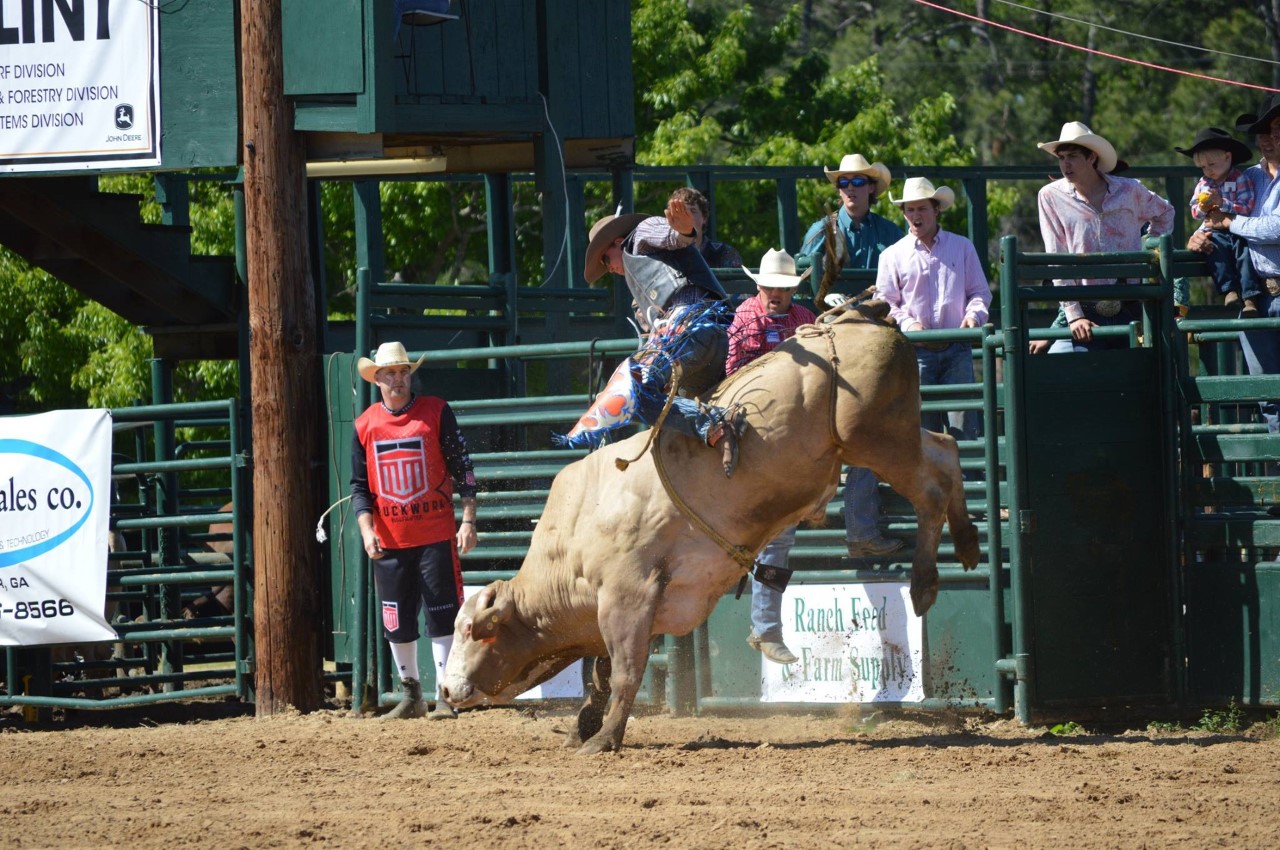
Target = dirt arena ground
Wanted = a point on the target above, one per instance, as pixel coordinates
(500, 778)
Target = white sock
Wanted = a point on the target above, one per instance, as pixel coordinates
(406, 658)
(440, 654)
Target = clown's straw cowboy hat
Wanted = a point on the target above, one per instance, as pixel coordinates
(856, 163)
(1215, 139)
(603, 232)
(388, 354)
(777, 271)
(920, 189)
(1075, 133)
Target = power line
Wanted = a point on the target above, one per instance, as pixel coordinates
(1102, 53)
(1049, 14)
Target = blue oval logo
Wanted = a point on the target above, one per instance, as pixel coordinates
(52, 498)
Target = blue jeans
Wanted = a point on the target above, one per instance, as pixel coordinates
(1262, 356)
(1131, 311)
(861, 504)
(951, 365)
(1230, 267)
(766, 603)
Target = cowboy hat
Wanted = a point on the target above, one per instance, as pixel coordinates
(920, 189)
(1215, 139)
(603, 232)
(388, 354)
(777, 271)
(1075, 133)
(856, 163)
(1254, 123)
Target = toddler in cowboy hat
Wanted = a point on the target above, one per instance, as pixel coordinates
(1224, 187)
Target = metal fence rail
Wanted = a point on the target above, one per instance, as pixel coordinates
(174, 466)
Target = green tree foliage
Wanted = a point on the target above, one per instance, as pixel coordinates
(718, 82)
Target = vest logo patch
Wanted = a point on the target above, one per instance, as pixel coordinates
(402, 469)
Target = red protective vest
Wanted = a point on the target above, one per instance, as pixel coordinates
(412, 490)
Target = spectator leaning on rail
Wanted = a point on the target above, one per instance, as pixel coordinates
(405, 512)
(682, 305)
(717, 254)
(1090, 210)
(1261, 230)
(1225, 188)
(865, 235)
(933, 280)
(760, 325)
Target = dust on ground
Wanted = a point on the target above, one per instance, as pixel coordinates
(501, 778)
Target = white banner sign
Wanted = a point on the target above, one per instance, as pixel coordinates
(563, 685)
(79, 84)
(55, 486)
(856, 643)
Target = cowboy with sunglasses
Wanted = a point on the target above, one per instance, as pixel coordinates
(866, 236)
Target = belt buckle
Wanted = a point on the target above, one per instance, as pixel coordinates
(1108, 308)
(1273, 286)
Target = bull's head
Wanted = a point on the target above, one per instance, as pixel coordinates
(495, 655)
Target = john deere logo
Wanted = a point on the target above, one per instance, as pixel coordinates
(124, 116)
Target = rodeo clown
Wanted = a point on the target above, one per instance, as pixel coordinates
(413, 445)
(685, 311)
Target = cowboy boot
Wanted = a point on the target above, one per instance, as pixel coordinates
(442, 711)
(411, 705)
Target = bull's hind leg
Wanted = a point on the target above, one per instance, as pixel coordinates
(941, 452)
(591, 715)
(928, 475)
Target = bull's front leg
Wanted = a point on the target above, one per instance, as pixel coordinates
(591, 715)
(625, 623)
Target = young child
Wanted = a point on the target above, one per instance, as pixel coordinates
(1225, 187)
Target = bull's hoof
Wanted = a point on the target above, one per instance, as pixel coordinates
(598, 744)
(924, 592)
(966, 542)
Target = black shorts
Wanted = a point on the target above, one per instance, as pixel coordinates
(408, 580)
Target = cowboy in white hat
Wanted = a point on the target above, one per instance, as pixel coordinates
(678, 298)
(761, 324)
(866, 234)
(860, 236)
(933, 280)
(1091, 210)
(408, 458)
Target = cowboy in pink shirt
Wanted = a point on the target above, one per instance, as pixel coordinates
(933, 280)
(1090, 211)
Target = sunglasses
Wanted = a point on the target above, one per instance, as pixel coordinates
(846, 182)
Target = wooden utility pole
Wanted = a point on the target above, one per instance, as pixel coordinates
(283, 370)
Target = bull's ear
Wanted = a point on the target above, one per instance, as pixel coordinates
(487, 619)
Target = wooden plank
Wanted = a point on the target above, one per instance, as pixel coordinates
(484, 29)
(596, 66)
(199, 95)
(1233, 388)
(322, 53)
(620, 93)
(561, 68)
(1216, 448)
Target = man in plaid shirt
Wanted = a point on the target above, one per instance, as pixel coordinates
(761, 324)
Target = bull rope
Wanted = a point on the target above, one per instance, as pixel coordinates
(741, 555)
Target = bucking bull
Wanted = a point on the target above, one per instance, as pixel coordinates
(616, 558)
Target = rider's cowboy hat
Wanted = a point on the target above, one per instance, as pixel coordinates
(856, 163)
(603, 232)
(388, 354)
(1075, 133)
(777, 271)
(1215, 139)
(920, 189)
